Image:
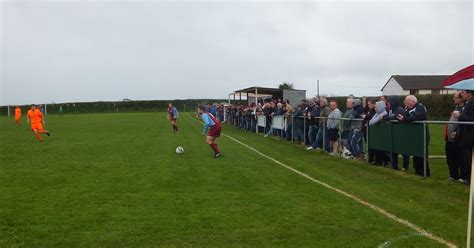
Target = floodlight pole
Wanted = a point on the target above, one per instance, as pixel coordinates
(318, 88)
(469, 217)
(8, 110)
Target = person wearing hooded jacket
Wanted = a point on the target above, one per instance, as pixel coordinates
(380, 113)
(377, 157)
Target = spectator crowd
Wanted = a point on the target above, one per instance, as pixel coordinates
(319, 124)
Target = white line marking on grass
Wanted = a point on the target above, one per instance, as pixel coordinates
(388, 243)
(380, 210)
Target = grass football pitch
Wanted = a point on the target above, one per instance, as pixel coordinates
(114, 180)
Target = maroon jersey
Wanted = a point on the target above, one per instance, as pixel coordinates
(170, 112)
(215, 130)
(217, 123)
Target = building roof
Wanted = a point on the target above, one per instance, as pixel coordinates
(262, 90)
(419, 82)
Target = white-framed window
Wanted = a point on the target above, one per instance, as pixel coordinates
(414, 92)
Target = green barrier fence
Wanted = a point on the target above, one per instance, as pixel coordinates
(398, 138)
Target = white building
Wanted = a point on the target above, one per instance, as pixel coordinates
(402, 85)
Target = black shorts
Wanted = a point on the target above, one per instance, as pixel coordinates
(333, 134)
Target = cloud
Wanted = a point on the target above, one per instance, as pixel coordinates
(109, 50)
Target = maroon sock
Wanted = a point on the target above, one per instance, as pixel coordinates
(214, 148)
(176, 127)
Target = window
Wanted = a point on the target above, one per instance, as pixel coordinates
(413, 92)
(435, 92)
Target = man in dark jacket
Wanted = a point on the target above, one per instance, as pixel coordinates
(456, 172)
(298, 122)
(311, 113)
(356, 142)
(416, 111)
(369, 113)
(465, 136)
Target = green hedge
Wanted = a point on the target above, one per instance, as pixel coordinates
(439, 106)
(121, 106)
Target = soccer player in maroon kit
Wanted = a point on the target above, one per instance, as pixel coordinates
(214, 128)
(173, 116)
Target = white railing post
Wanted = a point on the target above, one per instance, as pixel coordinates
(471, 191)
(304, 130)
(367, 133)
(324, 133)
(425, 155)
(292, 128)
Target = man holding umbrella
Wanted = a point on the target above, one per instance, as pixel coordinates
(465, 135)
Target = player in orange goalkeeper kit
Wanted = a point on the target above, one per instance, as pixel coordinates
(35, 118)
(18, 115)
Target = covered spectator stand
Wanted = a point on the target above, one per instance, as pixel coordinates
(254, 94)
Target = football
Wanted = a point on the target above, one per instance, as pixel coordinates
(179, 150)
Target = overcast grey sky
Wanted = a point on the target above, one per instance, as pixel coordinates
(59, 51)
